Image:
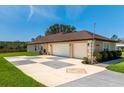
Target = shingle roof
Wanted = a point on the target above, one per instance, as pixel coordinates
(74, 36)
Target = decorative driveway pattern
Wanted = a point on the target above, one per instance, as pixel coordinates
(57, 65)
(101, 79)
(51, 70)
(23, 62)
(32, 57)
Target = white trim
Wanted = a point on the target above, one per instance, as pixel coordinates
(119, 44)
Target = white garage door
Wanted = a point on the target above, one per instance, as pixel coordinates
(61, 49)
(80, 50)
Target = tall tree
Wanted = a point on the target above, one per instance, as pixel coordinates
(38, 37)
(32, 39)
(57, 28)
(114, 37)
(121, 40)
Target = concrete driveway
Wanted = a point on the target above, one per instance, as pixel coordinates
(101, 79)
(52, 70)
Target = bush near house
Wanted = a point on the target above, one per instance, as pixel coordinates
(107, 55)
(98, 56)
(104, 56)
(86, 60)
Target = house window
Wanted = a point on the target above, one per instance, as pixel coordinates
(106, 46)
(35, 48)
(41, 48)
(44, 50)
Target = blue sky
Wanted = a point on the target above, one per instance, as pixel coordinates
(24, 22)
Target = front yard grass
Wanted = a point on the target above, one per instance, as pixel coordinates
(118, 67)
(18, 54)
(122, 54)
(10, 76)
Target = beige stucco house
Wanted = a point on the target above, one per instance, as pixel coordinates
(76, 45)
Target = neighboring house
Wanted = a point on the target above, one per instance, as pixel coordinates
(75, 44)
(120, 46)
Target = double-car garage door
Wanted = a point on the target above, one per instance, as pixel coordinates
(61, 49)
(78, 50)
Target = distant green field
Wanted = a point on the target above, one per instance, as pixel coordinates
(10, 76)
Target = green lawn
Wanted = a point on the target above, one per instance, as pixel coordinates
(10, 76)
(118, 67)
(18, 54)
(122, 54)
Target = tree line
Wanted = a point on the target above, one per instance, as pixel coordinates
(13, 46)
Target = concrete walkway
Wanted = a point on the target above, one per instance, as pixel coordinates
(51, 70)
(101, 79)
(107, 63)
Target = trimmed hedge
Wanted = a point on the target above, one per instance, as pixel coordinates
(107, 55)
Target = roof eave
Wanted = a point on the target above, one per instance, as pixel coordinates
(70, 40)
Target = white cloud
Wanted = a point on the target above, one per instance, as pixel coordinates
(43, 11)
(31, 12)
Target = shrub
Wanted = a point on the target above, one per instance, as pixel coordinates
(114, 54)
(119, 53)
(104, 56)
(107, 55)
(98, 56)
(110, 55)
(86, 60)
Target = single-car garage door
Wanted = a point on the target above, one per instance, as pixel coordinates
(61, 49)
(80, 50)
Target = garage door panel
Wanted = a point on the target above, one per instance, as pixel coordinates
(80, 50)
(61, 49)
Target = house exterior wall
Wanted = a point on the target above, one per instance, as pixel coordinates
(102, 45)
(31, 48)
(98, 46)
(36, 47)
(112, 46)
